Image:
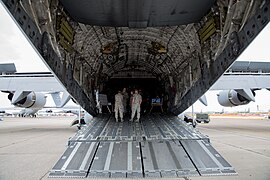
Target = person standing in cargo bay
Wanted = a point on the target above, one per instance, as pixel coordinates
(119, 106)
(125, 99)
(136, 106)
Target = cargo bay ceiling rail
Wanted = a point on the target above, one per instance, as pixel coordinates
(186, 45)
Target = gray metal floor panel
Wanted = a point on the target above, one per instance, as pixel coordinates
(207, 162)
(76, 160)
(167, 156)
(118, 158)
(158, 146)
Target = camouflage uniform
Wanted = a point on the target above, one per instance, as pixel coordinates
(119, 106)
(136, 106)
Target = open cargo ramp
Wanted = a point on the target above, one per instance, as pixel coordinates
(158, 146)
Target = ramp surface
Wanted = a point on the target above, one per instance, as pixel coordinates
(158, 146)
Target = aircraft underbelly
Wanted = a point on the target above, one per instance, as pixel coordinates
(159, 146)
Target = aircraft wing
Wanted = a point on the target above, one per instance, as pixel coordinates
(22, 84)
(29, 82)
(226, 82)
(244, 75)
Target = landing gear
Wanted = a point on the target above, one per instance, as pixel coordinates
(194, 122)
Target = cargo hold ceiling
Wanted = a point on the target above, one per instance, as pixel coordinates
(137, 13)
(153, 38)
(159, 51)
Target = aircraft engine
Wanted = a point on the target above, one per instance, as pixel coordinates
(230, 98)
(33, 100)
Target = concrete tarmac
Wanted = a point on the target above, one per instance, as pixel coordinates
(29, 147)
(244, 143)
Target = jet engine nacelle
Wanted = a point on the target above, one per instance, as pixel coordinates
(230, 98)
(33, 100)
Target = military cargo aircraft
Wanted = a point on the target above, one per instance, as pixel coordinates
(175, 47)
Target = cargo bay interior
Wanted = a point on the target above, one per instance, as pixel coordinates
(149, 88)
(135, 59)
